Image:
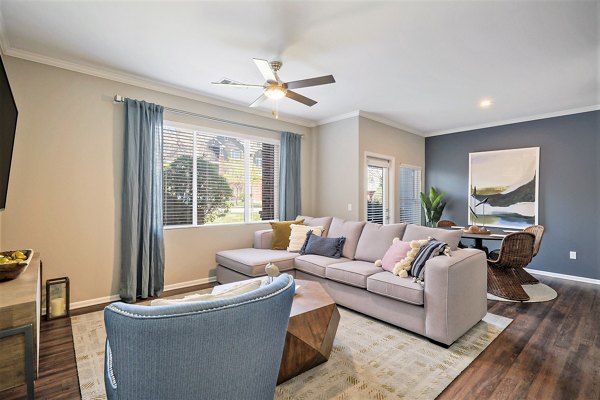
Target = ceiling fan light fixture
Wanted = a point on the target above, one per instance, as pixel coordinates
(275, 92)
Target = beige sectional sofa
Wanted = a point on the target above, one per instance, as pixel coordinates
(451, 301)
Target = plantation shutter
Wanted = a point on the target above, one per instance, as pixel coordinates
(410, 187)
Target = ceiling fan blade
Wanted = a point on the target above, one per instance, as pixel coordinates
(259, 101)
(321, 80)
(299, 98)
(232, 83)
(265, 69)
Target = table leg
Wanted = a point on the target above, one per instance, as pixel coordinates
(26, 330)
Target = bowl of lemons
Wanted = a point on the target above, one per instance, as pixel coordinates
(13, 262)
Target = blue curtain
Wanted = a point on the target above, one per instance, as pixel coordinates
(289, 173)
(142, 246)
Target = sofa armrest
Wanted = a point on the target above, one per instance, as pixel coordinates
(263, 239)
(455, 294)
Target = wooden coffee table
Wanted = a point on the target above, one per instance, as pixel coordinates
(313, 323)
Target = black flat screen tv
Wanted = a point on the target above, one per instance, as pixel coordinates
(8, 126)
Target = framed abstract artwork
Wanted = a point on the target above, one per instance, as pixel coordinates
(503, 188)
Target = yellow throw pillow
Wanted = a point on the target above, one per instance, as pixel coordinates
(281, 233)
(298, 236)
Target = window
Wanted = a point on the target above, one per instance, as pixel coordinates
(378, 191)
(212, 178)
(410, 187)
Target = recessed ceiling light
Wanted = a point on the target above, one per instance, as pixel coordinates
(485, 103)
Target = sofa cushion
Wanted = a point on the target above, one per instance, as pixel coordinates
(282, 232)
(322, 246)
(390, 285)
(376, 239)
(350, 230)
(417, 232)
(325, 222)
(353, 273)
(252, 262)
(316, 265)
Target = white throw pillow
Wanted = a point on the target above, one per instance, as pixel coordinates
(230, 292)
(234, 286)
(298, 235)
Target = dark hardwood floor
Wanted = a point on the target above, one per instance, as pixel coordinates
(550, 351)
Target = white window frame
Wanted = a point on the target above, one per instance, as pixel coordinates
(190, 128)
(390, 195)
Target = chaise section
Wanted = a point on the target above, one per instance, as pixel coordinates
(392, 286)
(252, 262)
(316, 265)
(353, 273)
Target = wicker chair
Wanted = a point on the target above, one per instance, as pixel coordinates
(538, 231)
(525, 277)
(515, 254)
(448, 223)
(445, 223)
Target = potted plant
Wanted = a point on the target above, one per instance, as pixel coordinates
(433, 206)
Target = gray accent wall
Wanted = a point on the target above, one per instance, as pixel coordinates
(569, 186)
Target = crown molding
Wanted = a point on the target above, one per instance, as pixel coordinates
(393, 124)
(336, 118)
(571, 111)
(145, 83)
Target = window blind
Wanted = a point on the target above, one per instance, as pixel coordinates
(410, 202)
(215, 179)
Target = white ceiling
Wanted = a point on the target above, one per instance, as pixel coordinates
(421, 65)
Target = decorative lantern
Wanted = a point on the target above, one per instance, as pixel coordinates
(57, 298)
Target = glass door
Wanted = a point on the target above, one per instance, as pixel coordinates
(378, 210)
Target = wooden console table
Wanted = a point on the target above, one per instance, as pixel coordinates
(20, 301)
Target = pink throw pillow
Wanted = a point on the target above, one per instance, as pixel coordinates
(396, 253)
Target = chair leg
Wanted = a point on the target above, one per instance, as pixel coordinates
(503, 283)
(524, 277)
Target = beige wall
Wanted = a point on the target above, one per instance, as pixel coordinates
(65, 184)
(403, 147)
(337, 169)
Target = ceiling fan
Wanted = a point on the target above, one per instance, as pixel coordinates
(274, 88)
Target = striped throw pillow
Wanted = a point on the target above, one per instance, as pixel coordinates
(298, 235)
(432, 249)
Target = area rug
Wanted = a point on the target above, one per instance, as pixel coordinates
(370, 360)
(537, 293)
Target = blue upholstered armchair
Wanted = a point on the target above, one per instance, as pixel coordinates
(221, 349)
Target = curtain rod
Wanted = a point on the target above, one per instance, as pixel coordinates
(121, 99)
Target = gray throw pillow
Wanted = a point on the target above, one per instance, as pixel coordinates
(322, 246)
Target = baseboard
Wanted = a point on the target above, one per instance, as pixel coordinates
(210, 279)
(116, 297)
(563, 276)
(96, 301)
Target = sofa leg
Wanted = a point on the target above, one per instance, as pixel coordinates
(446, 346)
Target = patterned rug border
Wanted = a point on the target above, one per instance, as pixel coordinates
(361, 365)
